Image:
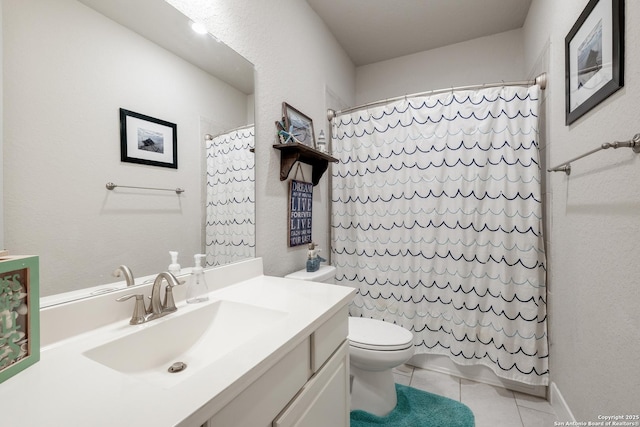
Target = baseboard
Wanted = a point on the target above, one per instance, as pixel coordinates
(559, 404)
(476, 373)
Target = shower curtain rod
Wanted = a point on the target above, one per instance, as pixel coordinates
(209, 137)
(540, 80)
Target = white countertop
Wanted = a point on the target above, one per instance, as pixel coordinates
(66, 388)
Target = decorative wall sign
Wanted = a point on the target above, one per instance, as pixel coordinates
(297, 126)
(594, 57)
(147, 141)
(300, 203)
(19, 314)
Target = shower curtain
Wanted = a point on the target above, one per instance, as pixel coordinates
(437, 221)
(230, 208)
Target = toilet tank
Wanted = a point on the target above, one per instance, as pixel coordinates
(325, 274)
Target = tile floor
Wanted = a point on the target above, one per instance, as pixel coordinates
(491, 406)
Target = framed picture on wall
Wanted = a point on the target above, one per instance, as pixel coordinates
(594, 57)
(300, 212)
(19, 314)
(299, 126)
(147, 140)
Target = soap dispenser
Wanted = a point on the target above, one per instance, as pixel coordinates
(197, 290)
(174, 267)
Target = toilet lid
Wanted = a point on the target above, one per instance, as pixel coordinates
(374, 334)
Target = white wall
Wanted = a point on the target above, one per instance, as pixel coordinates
(484, 60)
(295, 58)
(67, 71)
(593, 227)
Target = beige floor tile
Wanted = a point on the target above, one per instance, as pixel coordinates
(403, 370)
(401, 379)
(533, 418)
(436, 383)
(533, 402)
(491, 406)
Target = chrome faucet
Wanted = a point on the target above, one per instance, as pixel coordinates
(156, 308)
(128, 275)
(139, 311)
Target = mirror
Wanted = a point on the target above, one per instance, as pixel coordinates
(69, 67)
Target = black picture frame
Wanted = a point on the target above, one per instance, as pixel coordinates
(594, 57)
(147, 140)
(300, 213)
(298, 125)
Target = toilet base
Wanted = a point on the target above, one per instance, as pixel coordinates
(373, 392)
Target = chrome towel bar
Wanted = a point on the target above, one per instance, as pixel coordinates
(111, 186)
(633, 143)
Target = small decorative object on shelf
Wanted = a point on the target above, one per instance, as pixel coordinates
(313, 259)
(322, 142)
(298, 126)
(19, 314)
(285, 135)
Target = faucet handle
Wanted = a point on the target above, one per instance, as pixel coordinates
(169, 303)
(139, 310)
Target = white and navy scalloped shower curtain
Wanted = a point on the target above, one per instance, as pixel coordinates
(437, 221)
(230, 210)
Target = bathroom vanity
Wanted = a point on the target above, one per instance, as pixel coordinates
(263, 351)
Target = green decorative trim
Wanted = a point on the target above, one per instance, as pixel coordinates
(19, 314)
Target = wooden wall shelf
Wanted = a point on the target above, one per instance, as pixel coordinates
(295, 152)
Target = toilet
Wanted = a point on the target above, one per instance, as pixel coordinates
(375, 348)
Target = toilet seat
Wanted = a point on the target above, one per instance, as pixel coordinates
(377, 335)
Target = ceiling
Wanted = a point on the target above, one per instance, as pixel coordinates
(376, 30)
(164, 25)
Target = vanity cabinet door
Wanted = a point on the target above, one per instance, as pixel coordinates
(262, 400)
(324, 399)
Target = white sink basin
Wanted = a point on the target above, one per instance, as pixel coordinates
(197, 338)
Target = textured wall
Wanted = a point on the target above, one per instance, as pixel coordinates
(296, 60)
(594, 227)
(484, 60)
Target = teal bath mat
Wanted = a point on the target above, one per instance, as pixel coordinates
(417, 408)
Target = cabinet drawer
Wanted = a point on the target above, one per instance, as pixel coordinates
(328, 337)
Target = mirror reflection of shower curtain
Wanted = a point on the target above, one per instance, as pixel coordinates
(230, 209)
(437, 221)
